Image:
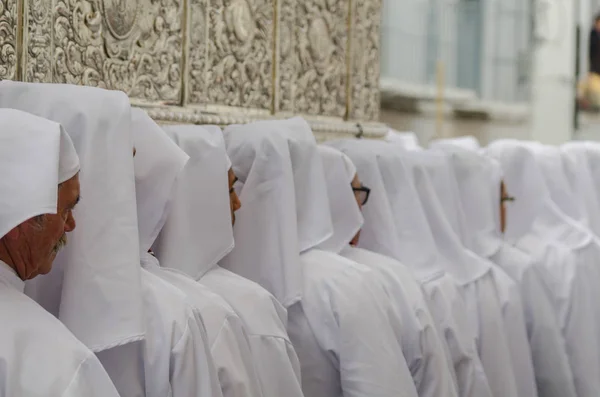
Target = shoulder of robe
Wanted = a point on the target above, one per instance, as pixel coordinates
(36, 350)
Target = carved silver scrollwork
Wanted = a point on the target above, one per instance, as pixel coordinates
(229, 59)
(312, 57)
(8, 39)
(364, 85)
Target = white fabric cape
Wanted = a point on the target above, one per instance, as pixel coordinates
(559, 249)
(40, 356)
(338, 353)
(438, 192)
(102, 254)
(417, 333)
(175, 358)
(380, 167)
(201, 209)
(479, 180)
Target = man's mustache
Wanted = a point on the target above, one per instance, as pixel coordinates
(62, 242)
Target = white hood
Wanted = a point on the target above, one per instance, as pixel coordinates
(345, 214)
(395, 224)
(266, 232)
(100, 299)
(438, 193)
(466, 142)
(479, 180)
(39, 152)
(157, 163)
(198, 231)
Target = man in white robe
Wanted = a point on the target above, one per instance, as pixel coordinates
(466, 167)
(104, 253)
(476, 276)
(176, 356)
(421, 344)
(578, 160)
(396, 226)
(162, 181)
(536, 226)
(39, 189)
(340, 328)
(198, 233)
(480, 183)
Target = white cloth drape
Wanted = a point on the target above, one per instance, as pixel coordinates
(559, 251)
(201, 208)
(481, 201)
(102, 254)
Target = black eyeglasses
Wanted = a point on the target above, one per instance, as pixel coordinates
(504, 199)
(362, 194)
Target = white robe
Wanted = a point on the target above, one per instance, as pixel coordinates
(38, 355)
(569, 291)
(227, 338)
(550, 361)
(175, 354)
(421, 344)
(265, 320)
(342, 333)
(513, 318)
(449, 310)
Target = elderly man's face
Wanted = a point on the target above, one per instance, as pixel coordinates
(33, 245)
(356, 184)
(234, 200)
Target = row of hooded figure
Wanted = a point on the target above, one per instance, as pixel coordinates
(360, 268)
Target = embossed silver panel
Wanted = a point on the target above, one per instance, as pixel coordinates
(8, 39)
(199, 60)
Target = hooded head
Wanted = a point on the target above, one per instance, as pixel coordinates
(345, 211)
(552, 166)
(588, 163)
(407, 140)
(524, 181)
(466, 142)
(103, 252)
(312, 203)
(266, 232)
(158, 164)
(198, 232)
(39, 190)
(479, 181)
(395, 224)
(444, 214)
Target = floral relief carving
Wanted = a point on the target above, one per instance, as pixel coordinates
(365, 102)
(231, 62)
(318, 59)
(8, 39)
(130, 45)
(321, 61)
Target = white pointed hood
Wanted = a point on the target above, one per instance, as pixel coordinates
(198, 231)
(265, 231)
(436, 186)
(479, 180)
(395, 224)
(407, 140)
(312, 203)
(100, 299)
(553, 170)
(345, 214)
(592, 150)
(533, 209)
(576, 157)
(157, 164)
(39, 152)
(466, 142)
